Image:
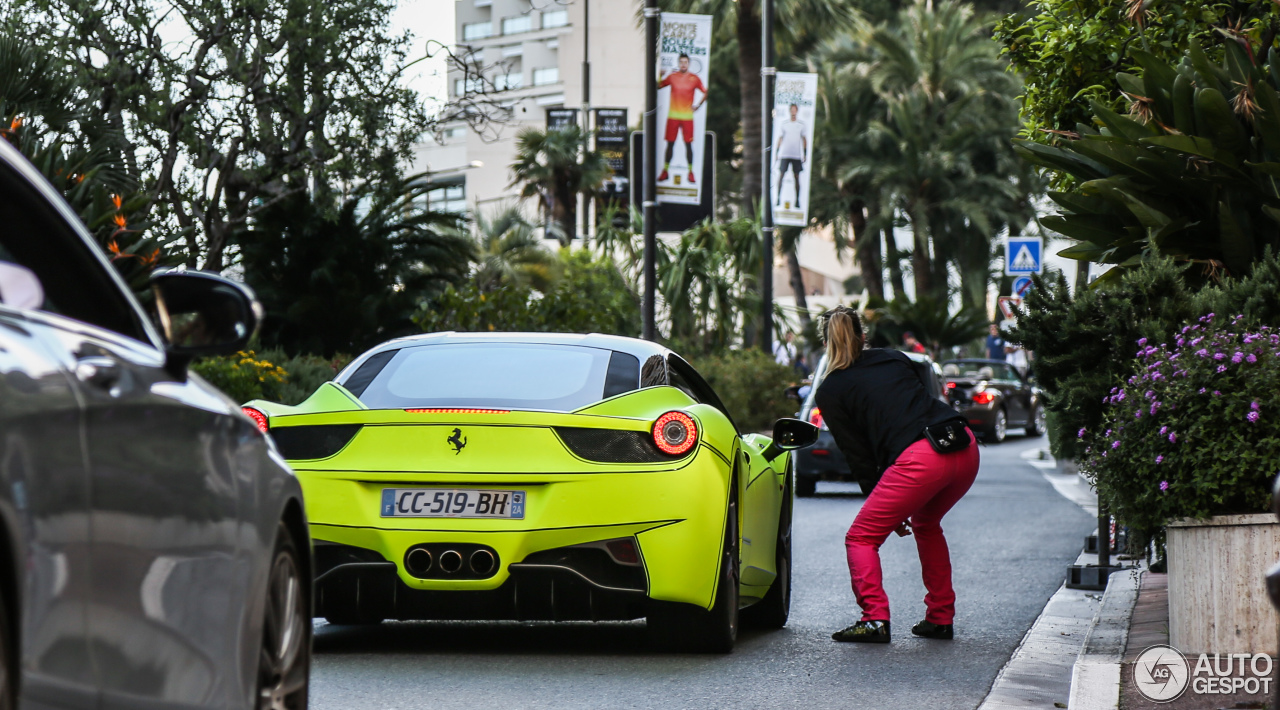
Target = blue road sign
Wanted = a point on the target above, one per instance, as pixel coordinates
(1021, 286)
(1023, 255)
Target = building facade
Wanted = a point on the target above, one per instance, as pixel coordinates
(531, 53)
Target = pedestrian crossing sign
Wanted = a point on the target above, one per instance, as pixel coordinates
(1023, 255)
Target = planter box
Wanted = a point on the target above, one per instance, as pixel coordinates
(1217, 591)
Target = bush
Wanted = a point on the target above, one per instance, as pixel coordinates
(751, 385)
(1192, 433)
(271, 375)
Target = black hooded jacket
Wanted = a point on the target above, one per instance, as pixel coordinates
(876, 408)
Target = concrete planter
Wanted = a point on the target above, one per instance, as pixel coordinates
(1217, 594)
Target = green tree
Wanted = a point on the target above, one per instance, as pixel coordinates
(341, 275)
(1068, 51)
(269, 100)
(1192, 175)
(552, 167)
(932, 321)
(509, 251)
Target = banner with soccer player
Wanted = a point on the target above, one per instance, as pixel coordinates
(684, 63)
(794, 98)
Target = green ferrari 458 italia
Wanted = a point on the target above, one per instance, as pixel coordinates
(540, 476)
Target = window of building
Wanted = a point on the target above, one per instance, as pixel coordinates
(517, 24)
(545, 76)
(555, 18)
(477, 30)
(450, 198)
(508, 82)
(462, 87)
(455, 133)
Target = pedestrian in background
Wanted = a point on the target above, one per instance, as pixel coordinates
(914, 452)
(910, 344)
(995, 344)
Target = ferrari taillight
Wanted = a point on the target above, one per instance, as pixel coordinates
(984, 398)
(675, 433)
(815, 417)
(258, 418)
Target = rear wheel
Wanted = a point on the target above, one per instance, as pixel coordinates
(772, 611)
(685, 627)
(999, 429)
(284, 662)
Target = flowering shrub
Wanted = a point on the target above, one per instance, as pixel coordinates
(242, 376)
(1194, 433)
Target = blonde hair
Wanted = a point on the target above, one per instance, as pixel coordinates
(843, 334)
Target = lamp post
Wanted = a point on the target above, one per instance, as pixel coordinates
(768, 74)
(649, 188)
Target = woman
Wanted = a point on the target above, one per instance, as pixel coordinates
(878, 411)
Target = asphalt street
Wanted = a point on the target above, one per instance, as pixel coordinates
(1011, 539)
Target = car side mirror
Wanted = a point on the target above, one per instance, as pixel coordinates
(202, 314)
(789, 435)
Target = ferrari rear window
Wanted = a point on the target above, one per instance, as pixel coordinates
(558, 378)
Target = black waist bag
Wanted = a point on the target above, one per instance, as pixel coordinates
(948, 437)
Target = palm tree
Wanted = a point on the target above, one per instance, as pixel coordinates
(508, 251)
(551, 166)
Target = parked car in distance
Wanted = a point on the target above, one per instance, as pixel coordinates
(153, 546)
(993, 396)
(824, 461)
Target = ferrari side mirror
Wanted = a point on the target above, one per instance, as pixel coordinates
(791, 434)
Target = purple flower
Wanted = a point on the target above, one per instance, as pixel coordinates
(1181, 342)
(1251, 358)
(1142, 341)
(1120, 397)
(1202, 352)
(1108, 433)
(1217, 393)
(1137, 414)
(1149, 394)
(1115, 444)
(1164, 485)
(1237, 357)
(1160, 459)
(1222, 368)
(1080, 434)
(1253, 416)
(1201, 390)
(1219, 356)
(1173, 438)
(1254, 406)
(1164, 430)
(1154, 407)
(1197, 340)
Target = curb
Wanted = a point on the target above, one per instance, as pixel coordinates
(1095, 677)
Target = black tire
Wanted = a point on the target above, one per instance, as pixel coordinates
(284, 661)
(1036, 423)
(806, 486)
(8, 660)
(772, 611)
(1000, 429)
(689, 628)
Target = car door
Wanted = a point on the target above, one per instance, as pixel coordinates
(162, 498)
(44, 503)
(1015, 396)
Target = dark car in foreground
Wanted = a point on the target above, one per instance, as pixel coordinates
(823, 461)
(993, 396)
(154, 550)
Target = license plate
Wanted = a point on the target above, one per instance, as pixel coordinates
(452, 503)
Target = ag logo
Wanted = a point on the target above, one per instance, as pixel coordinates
(1161, 673)
(457, 441)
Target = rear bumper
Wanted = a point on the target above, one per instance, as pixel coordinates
(675, 517)
(979, 417)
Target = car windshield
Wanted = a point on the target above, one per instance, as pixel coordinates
(558, 378)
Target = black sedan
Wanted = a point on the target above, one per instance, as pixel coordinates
(994, 396)
(153, 546)
(823, 461)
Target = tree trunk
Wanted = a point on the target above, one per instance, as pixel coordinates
(749, 84)
(921, 266)
(895, 263)
(866, 245)
(797, 285)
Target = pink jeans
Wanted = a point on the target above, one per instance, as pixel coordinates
(921, 485)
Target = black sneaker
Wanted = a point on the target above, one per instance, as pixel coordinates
(864, 632)
(930, 630)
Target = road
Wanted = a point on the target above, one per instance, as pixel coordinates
(1011, 538)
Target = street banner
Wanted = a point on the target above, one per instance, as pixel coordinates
(1023, 255)
(684, 66)
(559, 119)
(795, 97)
(614, 145)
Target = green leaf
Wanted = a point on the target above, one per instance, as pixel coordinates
(1216, 119)
(1184, 105)
(1237, 243)
(1087, 228)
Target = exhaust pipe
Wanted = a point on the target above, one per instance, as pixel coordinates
(419, 561)
(450, 561)
(482, 562)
